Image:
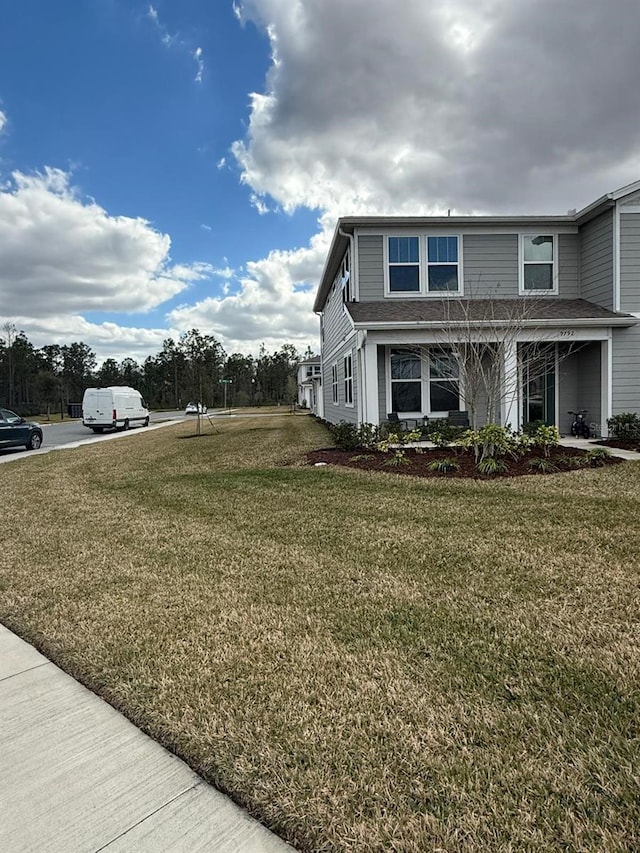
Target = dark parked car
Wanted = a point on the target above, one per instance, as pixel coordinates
(16, 432)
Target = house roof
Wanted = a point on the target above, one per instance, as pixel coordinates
(346, 226)
(523, 310)
(315, 359)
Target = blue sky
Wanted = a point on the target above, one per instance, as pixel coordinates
(183, 163)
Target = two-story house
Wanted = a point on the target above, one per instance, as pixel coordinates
(413, 309)
(309, 384)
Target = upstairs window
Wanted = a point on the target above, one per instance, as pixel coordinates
(404, 265)
(538, 261)
(442, 265)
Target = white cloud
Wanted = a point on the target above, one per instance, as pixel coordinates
(3, 120)
(494, 105)
(497, 106)
(197, 55)
(108, 340)
(61, 254)
(269, 307)
(170, 40)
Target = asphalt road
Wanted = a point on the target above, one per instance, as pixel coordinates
(70, 433)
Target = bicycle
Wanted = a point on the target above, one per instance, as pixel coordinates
(580, 428)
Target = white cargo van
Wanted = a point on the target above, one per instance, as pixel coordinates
(115, 407)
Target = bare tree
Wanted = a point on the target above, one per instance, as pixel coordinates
(487, 345)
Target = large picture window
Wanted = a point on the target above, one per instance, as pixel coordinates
(406, 381)
(444, 382)
(442, 265)
(538, 259)
(404, 264)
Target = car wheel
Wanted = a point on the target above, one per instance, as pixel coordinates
(146, 422)
(34, 442)
(97, 429)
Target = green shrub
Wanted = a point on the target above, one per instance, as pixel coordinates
(546, 437)
(368, 435)
(624, 425)
(543, 465)
(346, 435)
(441, 432)
(597, 456)
(530, 427)
(573, 460)
(492, 465)
(398, 457)
(444, 465)
(491, 441)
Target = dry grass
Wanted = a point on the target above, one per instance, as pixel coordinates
(367, 662)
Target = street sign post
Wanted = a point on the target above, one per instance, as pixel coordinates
(226, 383)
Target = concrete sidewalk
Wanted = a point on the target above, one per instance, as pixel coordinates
(75, 775)
(589, 444)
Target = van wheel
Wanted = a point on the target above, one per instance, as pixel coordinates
(146, 421)
(97, 429)
(125, 425)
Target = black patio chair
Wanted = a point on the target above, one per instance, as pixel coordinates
(394, 421)
(459, 418)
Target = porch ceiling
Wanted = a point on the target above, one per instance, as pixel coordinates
(407, 312)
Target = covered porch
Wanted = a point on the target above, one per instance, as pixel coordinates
(537, 375)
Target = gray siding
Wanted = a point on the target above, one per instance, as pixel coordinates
(630, 262)
(596, 260)
(567, 269)
(626, 370)
(332, 413)
(336, 324)
(490, 265)
(371, 268)
(589, 382)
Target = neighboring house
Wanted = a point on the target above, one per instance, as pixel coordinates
(402, 299)
(310, 385)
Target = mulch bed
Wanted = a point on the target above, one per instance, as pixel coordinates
(417, 465)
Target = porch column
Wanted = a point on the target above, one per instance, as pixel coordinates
(606, 404)
(370, 414)
(509, 405)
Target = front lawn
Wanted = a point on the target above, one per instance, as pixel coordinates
(366, 662)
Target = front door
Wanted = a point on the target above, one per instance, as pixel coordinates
(539, 390)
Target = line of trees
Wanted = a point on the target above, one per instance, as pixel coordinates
(47, 379)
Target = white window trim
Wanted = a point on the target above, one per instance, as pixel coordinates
(423, 266)
(554, 264)
(390, 380)
(442, 294)
(335, 385)
(437, 413)
(402, 294)
(425, 385)
(348, 380)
